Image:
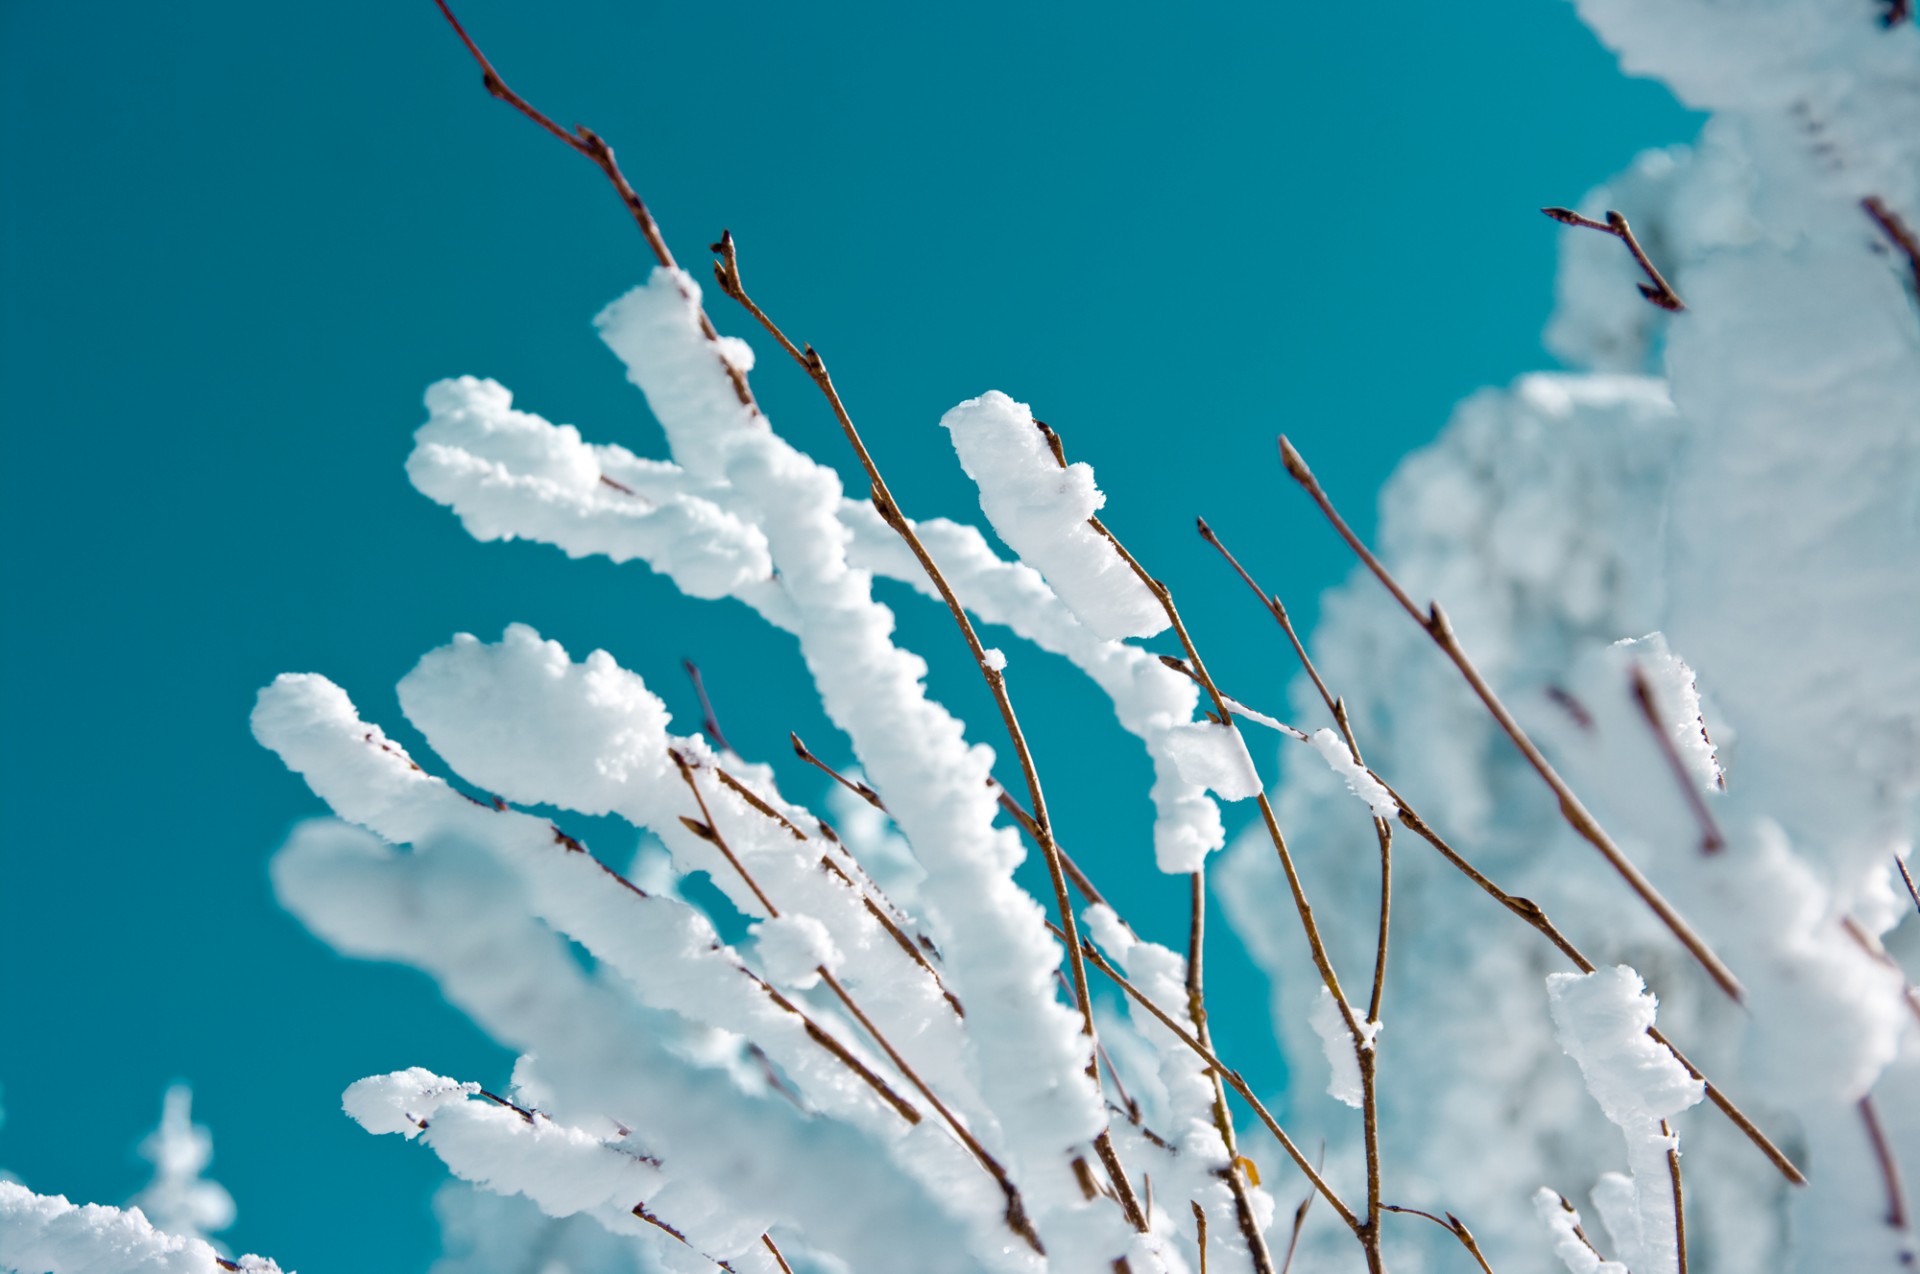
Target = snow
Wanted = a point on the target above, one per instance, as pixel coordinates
(45, 1232)
(1214, 756)
(178, 1199)
(795, 949)
(1358, 780)
(1040, 510)
(1331, 1022)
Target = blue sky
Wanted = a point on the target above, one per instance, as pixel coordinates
(239, 240)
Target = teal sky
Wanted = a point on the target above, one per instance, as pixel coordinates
(239, 240)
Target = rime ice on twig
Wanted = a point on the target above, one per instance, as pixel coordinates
(1601, 1019)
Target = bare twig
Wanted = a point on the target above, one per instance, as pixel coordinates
(1889, 1166)
(1222, 1119)
(708, 722)
(584, 141)
(727, 273)
(1711, 839)
(1890, 222)
(1458, 1228)
(1369, 1233)
(1200, 1224)
(1657, 290)
(778, 1259)
(1434, 623)
(1679, 1198)
(860, 790)
(1907, 876)
(1383, 831)
(1299, 1224)
(1234, 1081)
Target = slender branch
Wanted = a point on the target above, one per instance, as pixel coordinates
(727, 272)
(1364, 1055)
(1016, 1214)
(778, 1259)
(1897, 232)
(1657, 290)
(1711, 839)
(1299, 1224)
(1222, 1118)
(1337, 708)
(1200, 1224)
(1458, 1228)
(1434, 623)
(1889, 1166)
(860, 790)
(1535, 916)
(1907, 876)
(584, 141)
(708, 722)
(1234, 1081)
(1679, 1197)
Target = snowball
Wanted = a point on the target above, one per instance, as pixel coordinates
(1329, 1019)
(794, 949)
(1041, 511)
(1359, 781)
(1214, 756)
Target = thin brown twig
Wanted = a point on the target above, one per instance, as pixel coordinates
(727, 272)
(708, 721)
(1016, 1214)
(1657, 290)
(1299, 1224)
(880, 914)
(860, 790)
(1435, 624)
(1711, 839)
(1679, 1197)
(584, 141)
(1369, 1234)
(1234, 1081)
(779, 1259)
(1222, 1118)
(1337, 708)
(1906, 875)
(1535, 916)
(1889, 1166)
(1200, 1224)
(1897, 232)
(1456, 1227)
